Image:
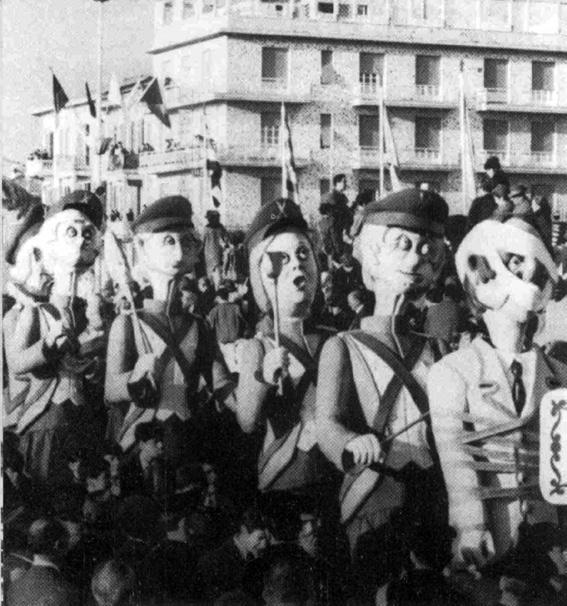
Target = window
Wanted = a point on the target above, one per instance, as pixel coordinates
(188, 9)
(427, 69)
(274, 65)
(362, 10)
(368, 130)
(542, 137)
(344, 11)
(495, 135)
(326, 131)
(496, 74)
(270, 189)
(543, 75)
(167, 12)
(324, 186)
(369, 185)
(327, 67)
(325, 8)
(270, 134)
(427, 133)
(370, 71)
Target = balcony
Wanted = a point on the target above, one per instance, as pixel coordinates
(367, 93)
(267, 154)
(545, 98)
(418, 158)
(39, 167)
(491, 96)
(528, 162)
(268, 90)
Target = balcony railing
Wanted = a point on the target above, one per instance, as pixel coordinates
(427, 154)
(537, 158)
(428, 91)
(544, 97)
(493, 95)
(532, 159)
(369, 156)
(274, 84)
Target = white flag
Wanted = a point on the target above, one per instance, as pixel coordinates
(114, 96)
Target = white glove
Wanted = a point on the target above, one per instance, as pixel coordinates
(275, 365)
(475, 547)
(365, 449)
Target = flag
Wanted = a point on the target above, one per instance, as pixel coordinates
(289, 174)
(153, 99)
(92, 108)
(391, 152)
(104, 145)
(60, 99)
(114, 98)
(214, 168)
(468, 181)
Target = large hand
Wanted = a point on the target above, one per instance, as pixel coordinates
(275, 365)
(365, 449)
(57, 340)
(475, 547)
(147, 366)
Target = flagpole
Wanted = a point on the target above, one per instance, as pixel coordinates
(381, 134)
(97, 159)
(282, 151)
(204, 203)
(462, 135)
(332, 153)
(56, 151)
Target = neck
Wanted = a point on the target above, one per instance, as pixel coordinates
(64, 282)
(292, 328)
(505, 333)
(161, 286)
(388, 304)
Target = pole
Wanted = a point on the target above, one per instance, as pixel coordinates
(97, 138)
(206, 197)
(332, 153)
(282, 152)
(462, 110)
(381, 134)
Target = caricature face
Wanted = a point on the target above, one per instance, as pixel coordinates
(171, 253)
(75, 244)
(297, 281)
(399, 260)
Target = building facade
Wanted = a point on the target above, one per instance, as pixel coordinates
(225, 66)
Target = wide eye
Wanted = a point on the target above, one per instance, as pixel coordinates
(302, 253)
(425, 248)
(88, 234)
(404, 243)
(71, 232)
(169, 240)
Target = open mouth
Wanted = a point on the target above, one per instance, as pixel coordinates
(300, 282)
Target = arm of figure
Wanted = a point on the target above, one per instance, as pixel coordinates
(335, 389)
(121, 359)
(251, 392)
(447, 400)
(25, 346)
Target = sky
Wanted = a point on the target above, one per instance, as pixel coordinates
(61, 34)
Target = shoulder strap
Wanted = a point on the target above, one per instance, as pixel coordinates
(402, 377)
(168, 338)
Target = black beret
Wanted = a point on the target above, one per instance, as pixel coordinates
(412, 209)
(84, 201)
(273, 217)
(171, 212)
(493, 162)
(22, 231)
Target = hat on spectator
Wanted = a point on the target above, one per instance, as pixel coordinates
(413, 209)
(492, 163)
(172, 213)
(274, 217)
(83, 201)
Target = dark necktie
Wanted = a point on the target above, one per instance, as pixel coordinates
(518, 388)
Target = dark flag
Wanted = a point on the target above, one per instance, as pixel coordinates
(214, 168)
(60, 99)
(92, 108)
(153, 99)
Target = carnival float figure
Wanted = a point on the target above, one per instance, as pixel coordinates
(278, 367)
(160, 360)
(372, 411)
(485, 398)
(53, 343)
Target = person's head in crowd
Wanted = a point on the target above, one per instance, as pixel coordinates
(252, 535)
(97, 476)
(48, 538)
(506, 270)
(149, 440)
(326, 285)
(204, 284)
(485, 183)
(310, 525)
(492, 166)
(520, 198)
(355, 300)
(401, 243)
(76, 456)
(189, 294)
(139, 519)
(66, 506)
(113, 584)
(282, 256)
(211, 474)
(287, 580)
(340, 182)
(347, 261)
(325, 209)
(222, 295)
(166, 242)
(364, 198)
(501, 190)
(112, 453)
(213, 218)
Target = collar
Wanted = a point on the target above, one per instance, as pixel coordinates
(24, 296)
(40, 560)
